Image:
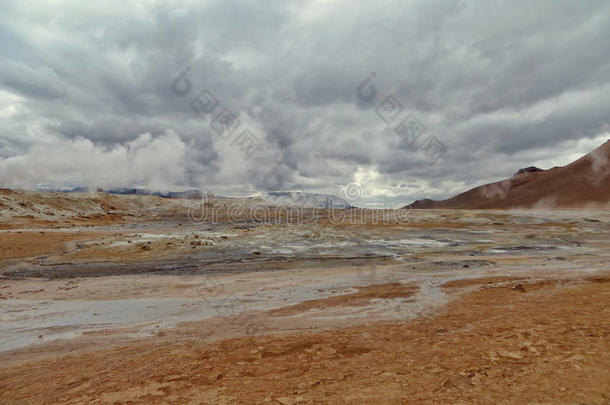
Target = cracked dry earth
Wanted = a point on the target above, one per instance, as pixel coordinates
(452, 307)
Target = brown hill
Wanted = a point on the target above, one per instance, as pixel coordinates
(584, 183)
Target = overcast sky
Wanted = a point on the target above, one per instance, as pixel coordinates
(91, 93)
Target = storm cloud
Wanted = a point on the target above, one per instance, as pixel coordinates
(91, 93)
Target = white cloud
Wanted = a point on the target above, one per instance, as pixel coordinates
(503, 85)
(151, 162)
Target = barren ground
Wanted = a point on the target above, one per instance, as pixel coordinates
(103, 302)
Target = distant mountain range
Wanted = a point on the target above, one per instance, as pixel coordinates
(305, 200)
(293, 198)
(584, 183)
(190, 194)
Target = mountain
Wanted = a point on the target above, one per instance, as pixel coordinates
(190, 194)
(187, 194)
(584, 183)
(305, 200)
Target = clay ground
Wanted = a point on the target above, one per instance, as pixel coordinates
(547, 344)
(123, 306)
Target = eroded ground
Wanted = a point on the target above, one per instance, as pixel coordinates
(445, 307)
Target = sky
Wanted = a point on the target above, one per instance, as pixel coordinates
(380, 102)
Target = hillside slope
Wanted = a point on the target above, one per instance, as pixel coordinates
(584, 183)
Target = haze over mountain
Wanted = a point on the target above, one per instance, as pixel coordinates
(584, 183)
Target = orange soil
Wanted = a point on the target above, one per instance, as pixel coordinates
(27, 243)
(547, 344)
(362, 297)
(468, 282)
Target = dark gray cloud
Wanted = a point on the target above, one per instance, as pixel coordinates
(86, 92)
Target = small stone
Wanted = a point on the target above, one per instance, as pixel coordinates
(289, 400)
(436, 369)
(510, 355)
(519, 287)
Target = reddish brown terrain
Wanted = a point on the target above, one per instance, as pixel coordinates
(584, 183)
(131, 299)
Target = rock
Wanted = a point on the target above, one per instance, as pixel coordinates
(519, 287)
(510, 355)
(530, 169)
(289, 400)
(436, 369)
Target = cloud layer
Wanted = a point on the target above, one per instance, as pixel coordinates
(86, 93)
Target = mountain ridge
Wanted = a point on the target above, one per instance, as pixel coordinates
(584, 183)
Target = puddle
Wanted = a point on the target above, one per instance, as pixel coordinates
(22, 321)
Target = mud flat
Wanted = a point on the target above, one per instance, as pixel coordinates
(449, 306)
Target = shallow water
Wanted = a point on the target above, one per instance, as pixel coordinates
(23, 321)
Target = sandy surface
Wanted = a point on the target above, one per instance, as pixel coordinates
(547, 343)
(447, 307)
